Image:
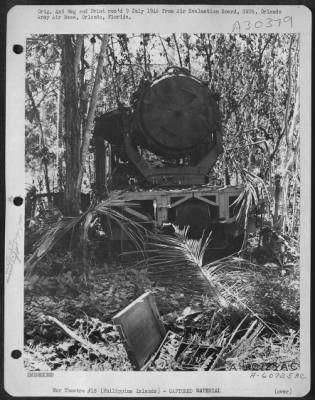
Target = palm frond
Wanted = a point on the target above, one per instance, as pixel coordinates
(112, 208)
(177, 261)
(254, 189)
(49, 239)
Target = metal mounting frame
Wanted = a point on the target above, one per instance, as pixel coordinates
(167, 199)
(183, 175)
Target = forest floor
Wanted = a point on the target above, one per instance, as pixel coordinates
(258, 330)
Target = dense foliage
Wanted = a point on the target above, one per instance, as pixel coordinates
(254, 76)
(71, 79)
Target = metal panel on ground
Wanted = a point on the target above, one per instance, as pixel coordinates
(140, 328)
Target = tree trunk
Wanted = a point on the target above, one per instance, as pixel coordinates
(72, 193)
(42, 139)
(91, 112)
(61, 120)
(289, 158)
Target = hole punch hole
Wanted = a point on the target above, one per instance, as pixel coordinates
(16, 354)
(17, 201)
(17, 49)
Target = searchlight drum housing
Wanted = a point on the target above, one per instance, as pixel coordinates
(176, 114)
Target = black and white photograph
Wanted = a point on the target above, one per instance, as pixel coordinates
(162, 206)
(167, 165)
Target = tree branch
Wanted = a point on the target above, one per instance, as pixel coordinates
(164, 49)
(98, 350)
(177, 48)
(123, 42)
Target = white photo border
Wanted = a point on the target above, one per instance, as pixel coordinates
(22, 21)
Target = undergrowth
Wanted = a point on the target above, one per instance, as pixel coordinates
(262, 298)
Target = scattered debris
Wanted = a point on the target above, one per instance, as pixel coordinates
(178, 355)
(97, 350)
(150, 348)
(209, 337)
